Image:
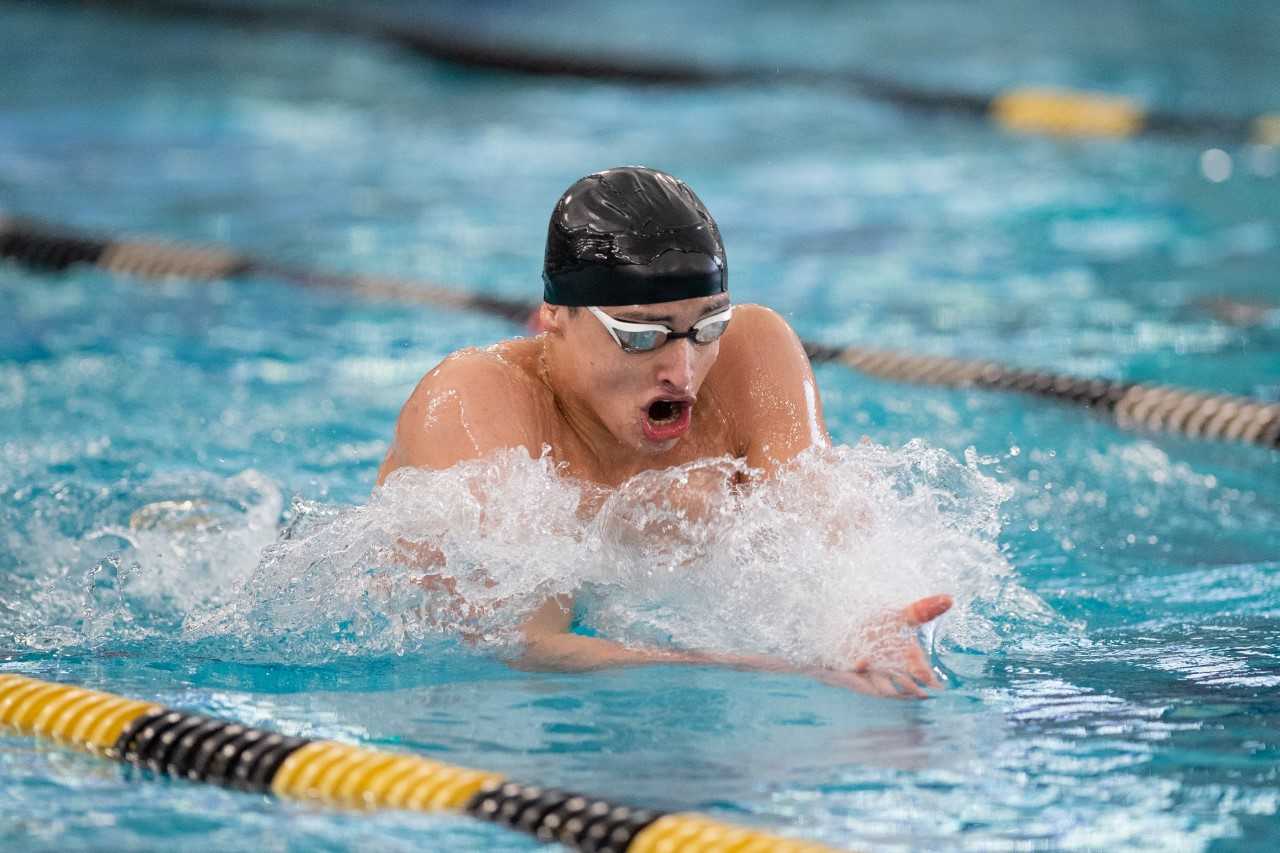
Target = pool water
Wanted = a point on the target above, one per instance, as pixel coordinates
(1123, 694)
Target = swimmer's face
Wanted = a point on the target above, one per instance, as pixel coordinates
(644, 399)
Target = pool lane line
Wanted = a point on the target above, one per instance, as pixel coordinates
(56, 248)
(1159, 408)
(1041, 110)
(1133, 405)
(206, 749)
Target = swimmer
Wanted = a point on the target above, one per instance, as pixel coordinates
(642, 363)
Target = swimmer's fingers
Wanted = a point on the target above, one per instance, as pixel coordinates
(884, 685)
(906, 687)
(919, 668)
(918, 674)
(871, 683)
(914, 663)
(889, 685)
(895, 685)
(926, 610)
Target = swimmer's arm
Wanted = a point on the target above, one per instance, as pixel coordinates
(780, 418)
(549, 647)
(470, 405)
(781, 412)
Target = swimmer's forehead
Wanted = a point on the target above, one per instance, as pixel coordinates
(666, 312)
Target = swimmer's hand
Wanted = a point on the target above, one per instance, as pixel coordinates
(898, 667)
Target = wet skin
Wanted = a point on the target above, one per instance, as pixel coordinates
(572, 389)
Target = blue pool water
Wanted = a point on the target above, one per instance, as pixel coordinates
(1125, 693)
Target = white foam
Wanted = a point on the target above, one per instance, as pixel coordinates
(802, 566)
(797, 567)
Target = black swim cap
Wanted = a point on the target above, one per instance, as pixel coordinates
(631, 236)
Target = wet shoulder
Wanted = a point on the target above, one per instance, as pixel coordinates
(758, 343)
(505, 369)
(473, 402)
(764, 378)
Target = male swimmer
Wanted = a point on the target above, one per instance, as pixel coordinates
(642, 364)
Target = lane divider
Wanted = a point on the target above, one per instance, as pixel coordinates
(1060, 112)
(1266, 129)
(1056, 112)
(199, 748)
(1159, 408)
(56, 248)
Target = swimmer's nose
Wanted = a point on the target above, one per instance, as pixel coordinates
(676, 365)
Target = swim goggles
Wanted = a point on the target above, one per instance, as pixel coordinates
(647, 337)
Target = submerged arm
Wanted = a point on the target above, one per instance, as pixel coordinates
(550, 647)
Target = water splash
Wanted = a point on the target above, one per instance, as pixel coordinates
(804, 566)
(459, 553)
(89, 567)
(801, 567)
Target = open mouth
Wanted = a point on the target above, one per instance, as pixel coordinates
(666, 411)
(667, 419)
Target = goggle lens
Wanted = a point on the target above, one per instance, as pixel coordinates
(643, 337)
(640, 341)
(710, 332)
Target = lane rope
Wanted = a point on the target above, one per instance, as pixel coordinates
(1158, 408)
(200, 748)
(1055, 112)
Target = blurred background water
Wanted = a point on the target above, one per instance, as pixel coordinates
(1143, 715)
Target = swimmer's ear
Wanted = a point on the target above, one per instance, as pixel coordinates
(548, 318)
(534, 322)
